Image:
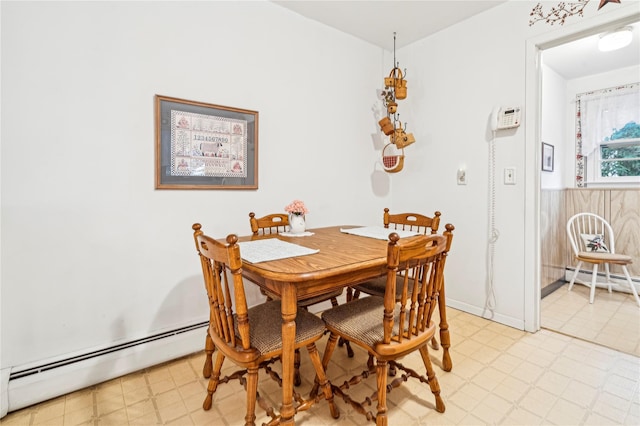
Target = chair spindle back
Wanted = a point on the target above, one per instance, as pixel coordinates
(222, 270)
(592, 224)
(269, 224)
(416, 264)
(412, 222)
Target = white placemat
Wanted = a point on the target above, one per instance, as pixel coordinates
(378, 232)
(271, 249)
(299, 234)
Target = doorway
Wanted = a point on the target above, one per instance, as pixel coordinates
(566, 67)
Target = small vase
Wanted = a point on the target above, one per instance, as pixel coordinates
(296, 223)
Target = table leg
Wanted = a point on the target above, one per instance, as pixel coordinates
(289, 311)
(445, 339)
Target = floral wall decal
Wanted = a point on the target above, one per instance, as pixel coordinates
(562, 11)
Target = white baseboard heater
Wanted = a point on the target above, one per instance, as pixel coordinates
(619, 282)
(28, 385)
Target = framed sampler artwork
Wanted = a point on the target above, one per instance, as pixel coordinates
(204, 146)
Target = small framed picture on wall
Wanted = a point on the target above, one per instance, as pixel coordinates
(547, 157)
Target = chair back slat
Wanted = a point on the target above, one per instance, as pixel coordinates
(416, 264)
(269, 224)
(412, 222)
(589, 223)
(222, 270)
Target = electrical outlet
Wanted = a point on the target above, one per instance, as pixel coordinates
(462, 177)
(510, 176)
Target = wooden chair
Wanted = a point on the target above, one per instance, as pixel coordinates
(592, 241)
(275, 223)
(407, 222)
(250, 337)
(425, 225)
(391, 327)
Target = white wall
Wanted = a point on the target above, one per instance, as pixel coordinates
(455, 79)
(91, 253)
(458, 76)
(554, 122)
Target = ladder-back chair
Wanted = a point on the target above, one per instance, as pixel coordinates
(425, 225)
(393, 326)
(250, 337)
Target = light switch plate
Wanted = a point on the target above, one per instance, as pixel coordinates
(510, 176)
(462, 177)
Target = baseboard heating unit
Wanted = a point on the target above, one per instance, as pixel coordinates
(618, 282)
(23, 386)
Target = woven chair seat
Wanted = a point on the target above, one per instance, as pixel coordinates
(304, 303)
(391, 327)
(360, 319)
(266, 326)
(377, 287)
(605, 257)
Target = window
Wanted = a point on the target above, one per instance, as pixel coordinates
(620, 153)
(608, 136)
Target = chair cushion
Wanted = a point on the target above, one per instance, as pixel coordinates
(359, 320)
(378, 286)
(311, 300)
(265, 322)
(598, 256)
(318, 299)
(374, 287)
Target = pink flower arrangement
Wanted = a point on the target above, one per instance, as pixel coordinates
(297, 207)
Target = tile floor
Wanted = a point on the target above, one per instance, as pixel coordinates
(500, 376)
(613, 320)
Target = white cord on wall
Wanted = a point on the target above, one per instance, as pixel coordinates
(494, 234)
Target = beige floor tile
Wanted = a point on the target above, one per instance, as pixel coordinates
(149, 419)
(595, 419)
(564, 412)
(79, 417)
(581, 394)
(500, 376)
(553, 382)
(52, 409)
(18, 418)
(136, 395)
(521, 416)
(141, 409)
(58, 420)
(612, 320)
(115, 418)
(170, 411)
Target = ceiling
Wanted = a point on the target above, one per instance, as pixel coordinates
(372, 21)
(375, 21)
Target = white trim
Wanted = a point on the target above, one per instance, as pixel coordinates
(482, 312)
(4, 394)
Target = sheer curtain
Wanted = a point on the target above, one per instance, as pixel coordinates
(598, 115)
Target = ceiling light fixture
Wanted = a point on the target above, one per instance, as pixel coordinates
(614, 40)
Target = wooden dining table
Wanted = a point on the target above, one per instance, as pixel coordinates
(342, 260)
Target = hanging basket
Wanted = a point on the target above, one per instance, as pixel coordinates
(392, 158)
(402, 139)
